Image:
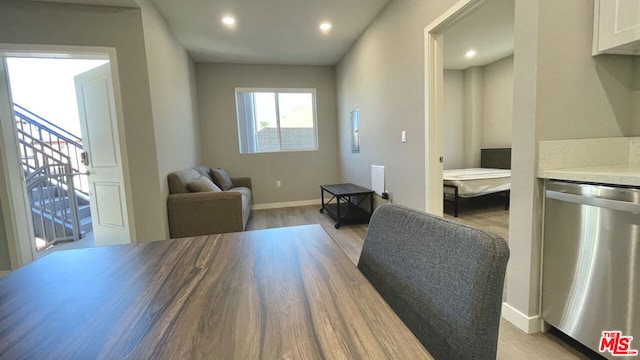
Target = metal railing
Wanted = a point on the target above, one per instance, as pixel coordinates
(37, 132)
(51, 157)
(53, 203)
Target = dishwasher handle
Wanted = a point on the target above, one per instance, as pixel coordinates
(597, 202)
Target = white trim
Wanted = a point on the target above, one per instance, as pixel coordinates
(3, 273)
(16, 211)
(528, 324)
(56, 51)
(450, 17)
(280, 151)
(433, 120)
(285, 204)
(242, 120)
(14, 197)
(433, 88)
(596, 29)
(275, 90)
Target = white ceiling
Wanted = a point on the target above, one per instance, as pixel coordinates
(269, 32)
(489, 31)
(286, 31)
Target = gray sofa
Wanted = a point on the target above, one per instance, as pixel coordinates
(211, 212)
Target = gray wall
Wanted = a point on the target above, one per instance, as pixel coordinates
(560, 92)
(497, 110)
(473, 105)
(301, 173)
(28, 22)
(580, 96)
(494, 113)
(453, 119)
(173, 98)
(383, 75)
(636, 95)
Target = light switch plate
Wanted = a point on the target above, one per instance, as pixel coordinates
(404, 136)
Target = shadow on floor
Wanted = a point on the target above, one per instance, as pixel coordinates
(86, 242)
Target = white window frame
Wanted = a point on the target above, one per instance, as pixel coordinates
(240, 109)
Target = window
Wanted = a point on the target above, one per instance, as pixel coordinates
(272, 120)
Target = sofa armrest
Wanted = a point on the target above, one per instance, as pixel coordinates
(203, 213)
(241, 182)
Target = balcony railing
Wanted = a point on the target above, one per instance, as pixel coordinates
(38, 135)
(51, 161)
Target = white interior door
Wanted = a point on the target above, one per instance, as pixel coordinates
(98, 123)
(15, 202)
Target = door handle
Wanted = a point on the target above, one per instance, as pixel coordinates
(84, 158)
(595, 202)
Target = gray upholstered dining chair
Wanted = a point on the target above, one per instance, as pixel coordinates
(443, 279)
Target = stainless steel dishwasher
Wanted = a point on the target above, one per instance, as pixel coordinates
(591, 262)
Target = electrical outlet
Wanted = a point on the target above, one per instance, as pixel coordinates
(278, 183)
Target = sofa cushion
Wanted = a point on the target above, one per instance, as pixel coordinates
(204, 171)
(246, 202)
(221, 178)
(178, 180)
(202, 184)
(246, 192)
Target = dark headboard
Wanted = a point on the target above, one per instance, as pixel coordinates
(495, 158)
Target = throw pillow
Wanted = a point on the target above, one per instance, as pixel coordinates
(202, 184)
(221, 178)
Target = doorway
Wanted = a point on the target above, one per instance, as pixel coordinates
(469, 37)
(477, 116)
(51, 148)
(59, 116)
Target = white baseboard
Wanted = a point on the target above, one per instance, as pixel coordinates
(528, 324)
(3, 273)
(285, 204)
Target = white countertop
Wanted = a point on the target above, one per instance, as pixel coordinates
(626, 174)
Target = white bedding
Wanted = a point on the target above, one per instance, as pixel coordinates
(477, 181)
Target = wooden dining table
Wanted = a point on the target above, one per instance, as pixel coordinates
(286, 293)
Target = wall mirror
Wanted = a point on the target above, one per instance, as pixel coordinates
(355, 136)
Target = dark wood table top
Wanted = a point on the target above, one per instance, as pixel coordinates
(287, 293)
(346, 189)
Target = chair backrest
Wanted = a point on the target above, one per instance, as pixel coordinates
(443, 279)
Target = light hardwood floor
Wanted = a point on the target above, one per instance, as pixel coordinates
(488, 214)
(349, 237)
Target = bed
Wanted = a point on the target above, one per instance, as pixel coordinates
(493, 177)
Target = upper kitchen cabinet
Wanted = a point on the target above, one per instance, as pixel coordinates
(616, 27)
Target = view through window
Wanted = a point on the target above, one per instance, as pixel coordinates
(272, 120)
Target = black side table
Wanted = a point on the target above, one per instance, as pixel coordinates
(346, 208)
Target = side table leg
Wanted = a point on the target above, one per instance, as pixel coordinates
(337, 225)
(455, 204)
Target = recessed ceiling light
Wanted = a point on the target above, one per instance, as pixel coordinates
(325, 26)
(470, 54)
(228, 20)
